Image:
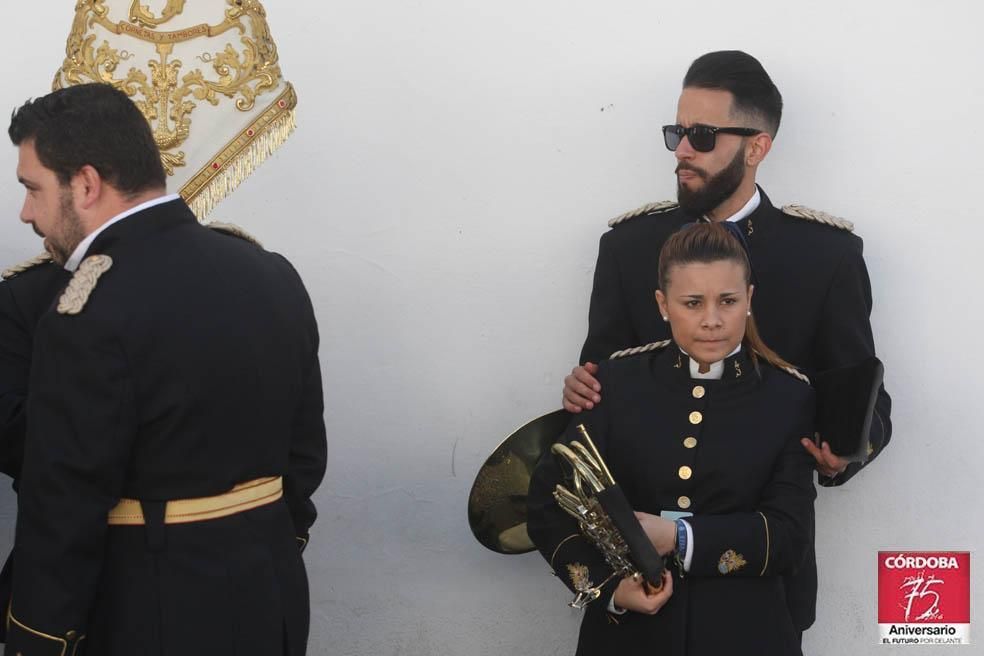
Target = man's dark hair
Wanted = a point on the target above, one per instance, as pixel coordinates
(743, 76)
(92, 124)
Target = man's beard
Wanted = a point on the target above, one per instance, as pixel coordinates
(67, 234)
(715, 190)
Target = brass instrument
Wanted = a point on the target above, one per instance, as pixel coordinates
(605, 517)
(497, 504)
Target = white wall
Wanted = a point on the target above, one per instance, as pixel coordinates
(443, 197)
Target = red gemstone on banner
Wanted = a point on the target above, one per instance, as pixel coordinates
(250, 132)
(282, 104)
(215, 165)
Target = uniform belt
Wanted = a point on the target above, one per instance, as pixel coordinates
(241, 498)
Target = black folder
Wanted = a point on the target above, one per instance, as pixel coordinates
(846, 406)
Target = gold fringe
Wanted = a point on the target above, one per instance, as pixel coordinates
(242, 165)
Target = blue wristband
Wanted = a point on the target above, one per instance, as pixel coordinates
(681, 539)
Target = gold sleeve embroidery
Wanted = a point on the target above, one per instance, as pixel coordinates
(64, 643)
(766, 563)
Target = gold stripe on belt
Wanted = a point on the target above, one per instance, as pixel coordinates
(241, 498)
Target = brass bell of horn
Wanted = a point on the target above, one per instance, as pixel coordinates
(497, 503)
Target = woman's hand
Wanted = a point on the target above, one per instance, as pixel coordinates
(639, 596)
(661, 532)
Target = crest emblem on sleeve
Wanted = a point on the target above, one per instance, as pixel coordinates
(80, 287)
(580, 577)
(731, 561)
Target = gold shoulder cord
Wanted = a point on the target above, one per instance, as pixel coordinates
(27, 265)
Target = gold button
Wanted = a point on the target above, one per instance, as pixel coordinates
(699, 392)
(690, 442)
(696, 417)
(684, 502)
(685, 472)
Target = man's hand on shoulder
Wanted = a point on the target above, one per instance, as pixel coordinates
(829, 464)
(581, 388)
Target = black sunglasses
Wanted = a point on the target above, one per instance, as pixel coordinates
(702, 137)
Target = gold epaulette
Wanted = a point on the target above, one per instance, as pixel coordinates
(26, 265)
(659, 207)
(83, 282)
(635, 350)
(802, 212)
(235, 231)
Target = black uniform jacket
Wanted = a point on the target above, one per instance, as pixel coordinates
(749, 487)
(23, 299)
(192, 367)
(812, 304)
(812, 297)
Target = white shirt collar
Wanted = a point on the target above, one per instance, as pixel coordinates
(79, 253)
(747, 209)
(715, 372)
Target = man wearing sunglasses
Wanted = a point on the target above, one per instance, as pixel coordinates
(812, 293)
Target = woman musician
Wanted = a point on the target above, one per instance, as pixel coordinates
(702, 433)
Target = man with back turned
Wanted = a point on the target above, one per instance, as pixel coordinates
(175, 430)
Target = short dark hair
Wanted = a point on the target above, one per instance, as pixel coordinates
(744, 77)
(92, 124)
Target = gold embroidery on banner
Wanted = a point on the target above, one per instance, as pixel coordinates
(144, 16)
(99, 17)
(243, 153)
(80, 287)
(166, 102)
(731, 561)
(580, 577)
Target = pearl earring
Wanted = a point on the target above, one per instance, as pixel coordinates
(665, 318)
(749, 313)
